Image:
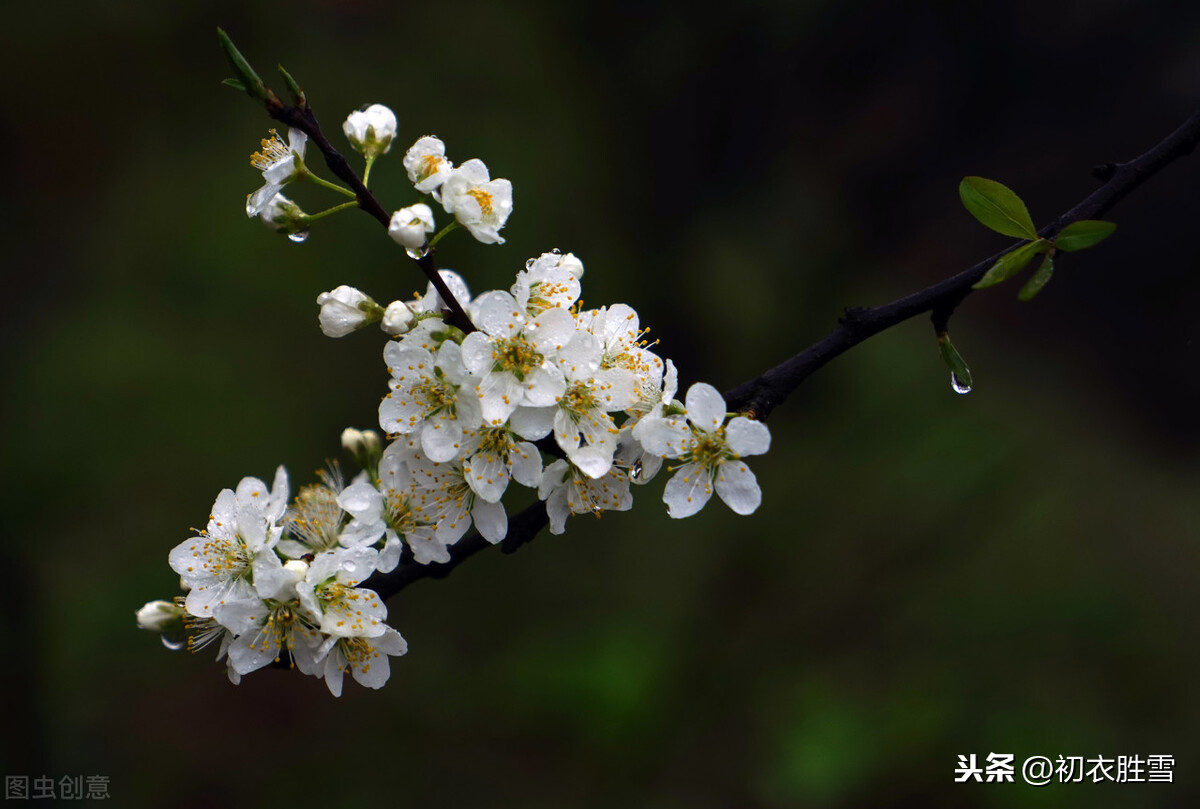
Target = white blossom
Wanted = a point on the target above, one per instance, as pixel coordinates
(433, 397)
(480, 204)
(366, 658)
(544, 284)
(279, 165)
(514, 356)
(409, 225)
(346, 309)
(710, 450)
(427, 165)
(371, 130)
(398, 318)
(244, 525)
(568, 490)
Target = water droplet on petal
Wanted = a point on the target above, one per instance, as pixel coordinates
(636, 471)
(597, 510)
(350, 567)
(958, 385)
(299, 237)
(529, 263)
(174, 644)
(556, 251)
(416, 253)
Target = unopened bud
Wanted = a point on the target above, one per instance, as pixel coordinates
(371, 131)
(160, 616)
(409, 225)
(397, 318)
(364, 445)
(345, 309)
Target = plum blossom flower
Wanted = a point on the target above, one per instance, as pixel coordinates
(710, 450)
(427, 165)
(513, 356)
(366, 658)
(568, 490)
(480, 204)
(409, 225)
(544, 284)
(346, 309)
(243, 528)
(279, 165)
(434, 398)
(371, 131)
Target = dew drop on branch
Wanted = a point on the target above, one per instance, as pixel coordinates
(416, 253)
(958, 385)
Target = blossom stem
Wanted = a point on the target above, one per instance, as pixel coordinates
(315, 216)
(332, 186)
(438, 237)
(366, 178)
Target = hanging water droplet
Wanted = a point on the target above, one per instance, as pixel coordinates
(174, 644)
(958, 385)
(636, 471)
(417, 253)
(299, 237)
(597, 510)
(529, 262)
(556, 251)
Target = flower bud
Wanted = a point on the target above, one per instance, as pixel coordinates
(282, 215)
(397, 318)
(409, 225)
(371, 131)
(160, 616)
(427, 165)
(363, 445)
(345, 309)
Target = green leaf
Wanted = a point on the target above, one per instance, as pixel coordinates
(1034, 285)
(961, 378)
(234, 83)
(293, 86)
(997, 207)
(1082, 234)
(1011, 263)
(249, 80)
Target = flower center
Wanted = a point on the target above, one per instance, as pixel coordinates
(578, 401)
(273, 152)
(430, 164)
(517, 356)
(709, 450)
(484, 199)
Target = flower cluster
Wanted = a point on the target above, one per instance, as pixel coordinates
(569, 402)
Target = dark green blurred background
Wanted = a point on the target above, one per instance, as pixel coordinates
(929, 575)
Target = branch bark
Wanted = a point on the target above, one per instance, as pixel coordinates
(759, 396)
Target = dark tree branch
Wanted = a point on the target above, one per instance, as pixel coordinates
(759, 396)
(303, 118)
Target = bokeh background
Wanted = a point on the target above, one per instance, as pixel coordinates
(929, 575)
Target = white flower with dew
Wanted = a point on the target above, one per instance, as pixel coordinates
(480, 204)
(567, 490)
(513, 356)
(279, 165)
(346, 309)
(545, 284)
(427, 165)
(710, 451)
(371, 130)
(432, 397)
(409, 225)
(366, 659)
(218, 564)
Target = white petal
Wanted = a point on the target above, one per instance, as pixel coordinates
(705, 407)
(441, 438)
(688, 491)
(490, 520)
(532, 422)
(667, 438)
(745, 436)
(737, 486)
(526, 464)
